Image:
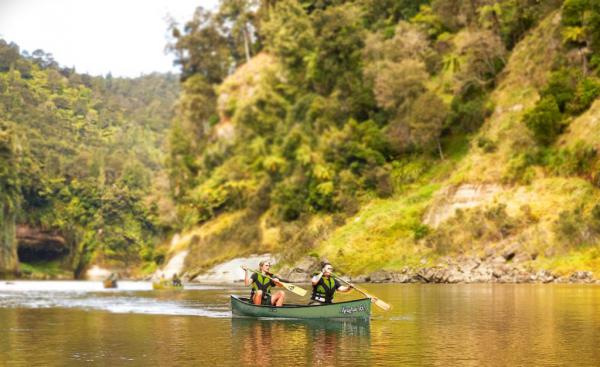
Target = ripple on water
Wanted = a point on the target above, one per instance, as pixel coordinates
(91, 296)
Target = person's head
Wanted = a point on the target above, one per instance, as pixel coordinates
(265, 265)
(326, 268)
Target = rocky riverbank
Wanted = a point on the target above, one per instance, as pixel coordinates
(506, 268)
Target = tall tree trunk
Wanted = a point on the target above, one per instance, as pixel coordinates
(439, 146)
(246, 43)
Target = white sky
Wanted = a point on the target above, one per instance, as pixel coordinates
(124, 37)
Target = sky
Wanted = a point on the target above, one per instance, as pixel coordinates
(124, 37)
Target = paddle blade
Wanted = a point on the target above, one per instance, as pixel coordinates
(384, 306)
(294, 289)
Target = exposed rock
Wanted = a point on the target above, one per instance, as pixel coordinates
(380, 276)
(301, 271)
(361, 279)
(462, 197)
(402, 277)
(498, 260)
(231, 271)
(545, 276)
(582, 277)
(510, 252)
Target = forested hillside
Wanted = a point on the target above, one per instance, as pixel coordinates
(347, 130)
(80, 165)
(378, 134)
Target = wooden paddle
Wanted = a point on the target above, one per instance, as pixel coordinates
(379, 303)
(290, 287)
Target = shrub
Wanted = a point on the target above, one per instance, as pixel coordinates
(572, 161)
(561, 86)
(486, 144)
(289, 197)
(520, 168)
(588, 89)
(467, 115)
(545, 121)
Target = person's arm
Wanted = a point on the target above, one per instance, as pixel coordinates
(343, 288)
(278, 280)
(247, 280)
(315, 279)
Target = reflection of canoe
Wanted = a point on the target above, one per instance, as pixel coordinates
(246, 325)
(357, 309)
(166, 285)
(110, 283)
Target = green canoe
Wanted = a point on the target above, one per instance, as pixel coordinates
(357, 309)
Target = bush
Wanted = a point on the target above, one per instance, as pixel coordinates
(572, 161)
(289, 198)
(467, 115)
(545, 121)
(561, 86)
(588, 89)
(520, 168)
(486, 144)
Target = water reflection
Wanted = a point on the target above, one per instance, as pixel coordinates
(449, 325)
(318, 342)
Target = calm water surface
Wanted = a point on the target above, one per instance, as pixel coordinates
(80, 324)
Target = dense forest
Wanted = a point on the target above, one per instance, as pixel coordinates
(332, 129)
(81, 162)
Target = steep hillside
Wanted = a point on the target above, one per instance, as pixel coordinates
(457, 130)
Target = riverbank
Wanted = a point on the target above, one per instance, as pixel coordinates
(507, 268)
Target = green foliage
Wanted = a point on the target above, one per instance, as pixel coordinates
(581, 25)
(289, 34)
(578, 227)
(356, 146)
(428, 117)
(587, 91)
(468, 114)
(578, 160)
(342, 105)
(486, 144)
(568, 91)
(561, 87)
(473, 226)
(88, 148)
(484, 54)
(201, 48)
(545, 121)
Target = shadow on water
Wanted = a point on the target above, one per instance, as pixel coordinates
(318, 342)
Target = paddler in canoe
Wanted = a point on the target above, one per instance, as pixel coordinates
(325, 285)
(261, 286)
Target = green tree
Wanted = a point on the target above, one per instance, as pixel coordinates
(201, 48)
(427, 118)
(545, 121)
(239, 18)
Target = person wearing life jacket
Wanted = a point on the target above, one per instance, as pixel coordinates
(176, 281)
(261, 286)
(325, 285)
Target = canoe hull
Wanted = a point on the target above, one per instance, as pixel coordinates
(357, 309)
(109, 283)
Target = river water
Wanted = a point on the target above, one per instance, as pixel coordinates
(81, 324)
